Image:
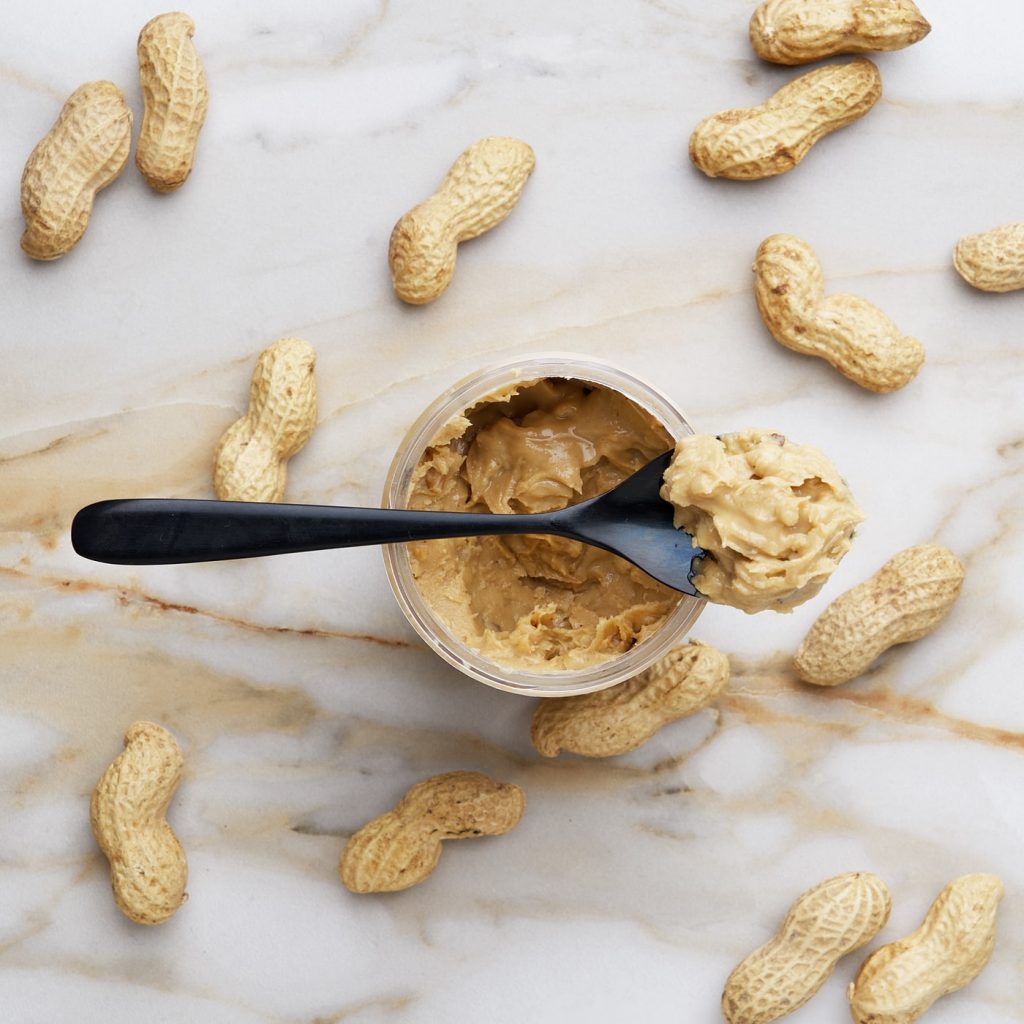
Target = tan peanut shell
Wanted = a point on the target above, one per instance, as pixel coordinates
(174, 100)
(823, 925)
(994, 260)
(848, 332)
(800, 31)
(402, 847)
(905, 600)
(479, 191)
(84, 151)
(898, 982)
(757, 142)
(148, 870)
(251, 461)
(621, 718)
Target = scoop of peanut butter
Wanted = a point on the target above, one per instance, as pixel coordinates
(775, 517)
(539, 603)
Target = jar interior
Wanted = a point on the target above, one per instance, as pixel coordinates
(534, 614)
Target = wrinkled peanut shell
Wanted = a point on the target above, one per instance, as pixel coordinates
(84, 151)
(800, 31)
(848, 332)
(621, 718)
(748, 143)
(403, 846)
(175, 98)
(148, 870)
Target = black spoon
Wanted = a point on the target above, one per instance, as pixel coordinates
(630, 520)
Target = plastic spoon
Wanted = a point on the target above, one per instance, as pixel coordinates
(631, 520)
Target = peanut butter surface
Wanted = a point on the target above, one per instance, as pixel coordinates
(775, 517)
(543, 604)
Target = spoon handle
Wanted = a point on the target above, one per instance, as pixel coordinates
(162, 531)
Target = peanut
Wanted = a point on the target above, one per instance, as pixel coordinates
(251, 461)
(402, 847)
(478, 193)
(772, 138)
(898, 982)
(904, 601)
(621, 718)
(798, 31)
(848, 332)
(84, 151)
(994, 260)
(174, 100)
(823, 925)
(148, 870)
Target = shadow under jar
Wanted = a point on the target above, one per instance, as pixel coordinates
(537, 615)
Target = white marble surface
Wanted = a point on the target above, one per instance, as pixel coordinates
(305, 702)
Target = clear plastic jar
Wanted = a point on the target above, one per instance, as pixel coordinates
(430, 627)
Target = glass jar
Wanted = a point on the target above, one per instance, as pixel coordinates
(430, 627)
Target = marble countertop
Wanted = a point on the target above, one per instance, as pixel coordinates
(305, 703)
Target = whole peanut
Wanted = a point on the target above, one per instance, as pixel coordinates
(994, 260)
(898, 982)
(798, 31)
(772, 138)
(148, 870)
(848, 332)
(479, 192)
(174, 100)
(84, 151)
(402, 847)
(251, 461)
(905, 600)
(822, 926)
(621, 718)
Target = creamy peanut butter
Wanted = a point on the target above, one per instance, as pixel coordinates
(775, 517)
(538, 603)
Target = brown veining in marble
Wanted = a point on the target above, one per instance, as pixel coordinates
(1007, 512)
(126, 597)
(22, 79)
(756, 685)
(92, 689)
(165, 450)
(387, 1004)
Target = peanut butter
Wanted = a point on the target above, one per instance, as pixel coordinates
(539, 603)
(774, 516)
